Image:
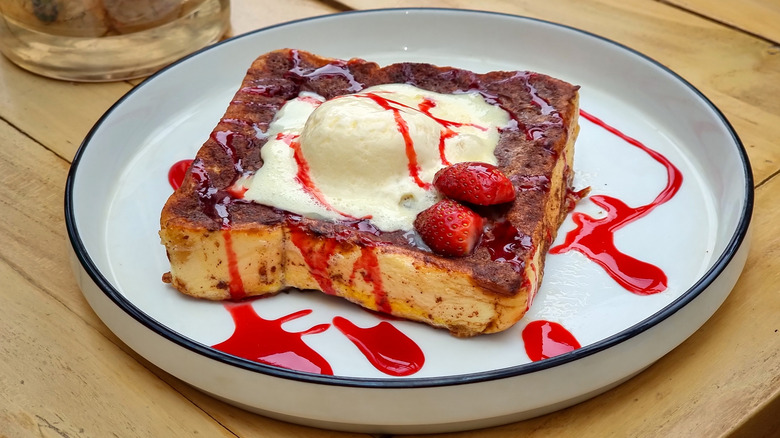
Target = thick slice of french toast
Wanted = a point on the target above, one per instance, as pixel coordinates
(222, 246)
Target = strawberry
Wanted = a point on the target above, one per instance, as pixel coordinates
(475, 183)
(449, 228)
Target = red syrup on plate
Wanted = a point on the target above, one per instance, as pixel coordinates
(177, 171)
(265, 341)
(387, 348)
(546, 339)
(595, 238)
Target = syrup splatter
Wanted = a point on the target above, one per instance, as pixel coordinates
(595, 238)
(265, 341)
(176, 173)
(387, 348)
(546, 339)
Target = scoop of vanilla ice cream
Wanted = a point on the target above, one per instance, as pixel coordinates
(366, 157)
(276, 182)
(372, 154)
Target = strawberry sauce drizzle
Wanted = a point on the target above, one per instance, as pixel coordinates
(424, 107)
(177, 171)
(532, 290)
(427, 104)
(526, 183)
(175, 178)
(546, 339)
(215, 204)
(225, 140)
(535, 131)
(386, 347)
(503, 242)
(316, 253)
(236, 285)
(303, 174)
(403, 129)
(595, 237)
(368, 266)
(447, 133)
(265, 341)
(537, 100)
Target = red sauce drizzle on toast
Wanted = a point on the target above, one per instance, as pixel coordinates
(236, 286)
(225, 140)
(546, 339)
(316, 253)
(595, 237)
(368, 267)
(303, 174)
(503, 241)
(386, 347)
(265, 341)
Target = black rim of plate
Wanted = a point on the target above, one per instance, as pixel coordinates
(694, 291)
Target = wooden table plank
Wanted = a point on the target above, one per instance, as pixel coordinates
(57, 114)
(246, 16)
(242, 423)
(739, 73)
(758, 17)
(58, 374)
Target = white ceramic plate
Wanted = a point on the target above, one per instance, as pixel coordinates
(118, 184)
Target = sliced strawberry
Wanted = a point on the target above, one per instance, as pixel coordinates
(475, 183)
(449, 228)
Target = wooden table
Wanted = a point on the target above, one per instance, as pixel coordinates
(63, 373)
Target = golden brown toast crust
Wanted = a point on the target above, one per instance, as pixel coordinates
(535, 152)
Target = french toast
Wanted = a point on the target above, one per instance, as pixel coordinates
(222, 246)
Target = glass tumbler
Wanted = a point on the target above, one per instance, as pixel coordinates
(106, 40)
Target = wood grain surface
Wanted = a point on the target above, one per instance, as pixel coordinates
(64, 374)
